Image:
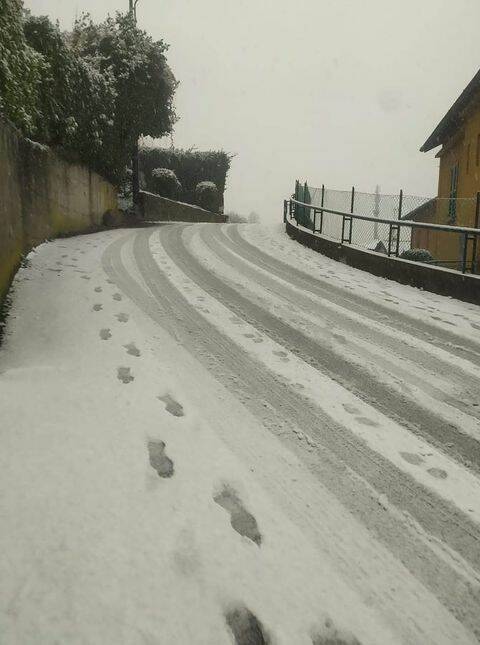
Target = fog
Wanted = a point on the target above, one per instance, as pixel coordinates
(342, 93)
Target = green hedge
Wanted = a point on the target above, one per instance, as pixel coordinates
(190, 166)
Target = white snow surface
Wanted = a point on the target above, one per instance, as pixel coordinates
(97, 548)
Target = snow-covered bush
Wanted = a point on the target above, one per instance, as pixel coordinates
(417, 255)
(206, 196)
(91, 92)
(21, 70)
(75, 98)
(143, 82)
(165, 183)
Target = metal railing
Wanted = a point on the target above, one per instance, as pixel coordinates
(393, 237)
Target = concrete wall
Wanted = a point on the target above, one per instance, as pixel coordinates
(160, 209)
(431, 278)
(42, 196)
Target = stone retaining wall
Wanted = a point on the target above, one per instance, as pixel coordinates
(160, 209)
(43, 196)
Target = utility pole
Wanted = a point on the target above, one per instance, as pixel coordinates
(135, 164)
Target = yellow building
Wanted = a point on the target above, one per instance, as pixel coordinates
(459, 177)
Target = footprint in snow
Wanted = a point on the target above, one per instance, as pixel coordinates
(246, 628)
(85, 277)
(97, 307)
(132, 350)
(121, 317)
(330, 635)
(241, 520)
(438, 473)
(105, 334)
(117, 296)
(124, 375)
(159, 460)
(172, 406)
(412, 458)
(365, 421)
(98, 289)
(351, 409)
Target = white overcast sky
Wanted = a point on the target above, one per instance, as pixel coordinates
(340, 92)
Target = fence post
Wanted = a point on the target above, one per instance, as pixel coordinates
(464, 252)
(475, 237)
(350, 220)
(321, 211)
(400, 204)
(389, 250)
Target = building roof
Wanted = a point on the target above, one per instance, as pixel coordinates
(419, 213)
(453, 117)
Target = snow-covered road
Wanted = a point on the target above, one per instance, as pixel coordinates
(212, 435)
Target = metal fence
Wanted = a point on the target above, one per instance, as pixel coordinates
(433, 230)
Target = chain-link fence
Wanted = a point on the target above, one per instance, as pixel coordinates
(403, 223)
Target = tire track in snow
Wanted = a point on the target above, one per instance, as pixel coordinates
(336, 394)
(370, 347)
(353, 377)
(398, 320)
(336, 452)
(410, 345)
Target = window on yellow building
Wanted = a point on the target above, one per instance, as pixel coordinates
(477, 155)
(468, 158)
